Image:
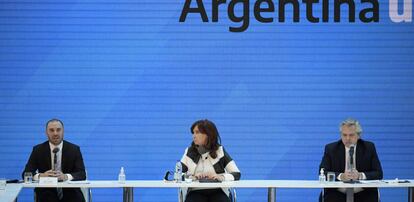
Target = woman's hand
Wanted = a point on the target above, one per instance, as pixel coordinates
(212, 176)
(220, 178)
(204, 176)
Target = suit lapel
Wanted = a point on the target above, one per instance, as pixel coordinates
(359, 155)
(64, 151)
(47, 154)
(341, 156)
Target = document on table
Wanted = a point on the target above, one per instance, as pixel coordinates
(370, 181)
(79, 182)
(384, 181)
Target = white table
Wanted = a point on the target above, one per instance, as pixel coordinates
(271, 185)
(10, 193)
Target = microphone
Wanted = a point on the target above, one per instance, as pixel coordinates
(55, 150)
(351, 155)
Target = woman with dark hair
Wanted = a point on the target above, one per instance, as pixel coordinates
(206, 159)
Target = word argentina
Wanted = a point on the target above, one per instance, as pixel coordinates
(370, 12)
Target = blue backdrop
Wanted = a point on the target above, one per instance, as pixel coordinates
(128, 80)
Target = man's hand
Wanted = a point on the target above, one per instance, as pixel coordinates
(52, 173)
(350, 175)
(62, 177)
(49, 173)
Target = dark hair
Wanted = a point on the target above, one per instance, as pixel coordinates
(213, 138)
(54, 120)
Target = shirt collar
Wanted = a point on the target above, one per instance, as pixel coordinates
(348, 148)
(52, 146)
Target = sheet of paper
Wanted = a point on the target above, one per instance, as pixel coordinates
(79, 182)
(370, 181)
(48, 180)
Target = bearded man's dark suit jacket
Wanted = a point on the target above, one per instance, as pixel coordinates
(72, 163)
(366, 161)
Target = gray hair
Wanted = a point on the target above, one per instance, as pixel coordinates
(351, 122)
